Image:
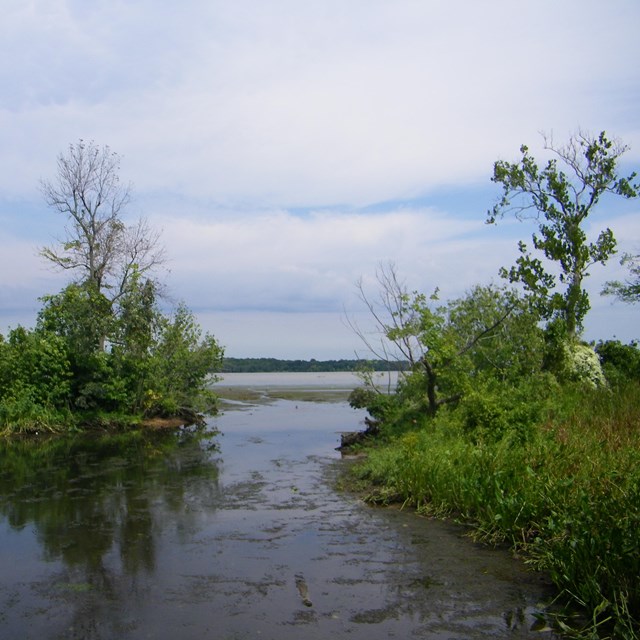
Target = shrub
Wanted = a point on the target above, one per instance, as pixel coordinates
(620, 362)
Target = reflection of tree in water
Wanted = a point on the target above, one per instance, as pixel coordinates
(97, 504)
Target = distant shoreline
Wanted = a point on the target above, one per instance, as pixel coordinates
(267, 365)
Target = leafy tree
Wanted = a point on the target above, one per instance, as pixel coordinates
(98, 245)
(35, 361)
(154, 364)
(35, 381)
(502, 332)
(134, 339)
(620, 362)
(628, 291)
(80, 314)
(560, 197)
(82, 318)
(489, 333)
(184, 360)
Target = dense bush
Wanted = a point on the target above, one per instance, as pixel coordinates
(88, 361)
(620, 362)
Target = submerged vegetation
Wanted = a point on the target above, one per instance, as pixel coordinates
(506, 420)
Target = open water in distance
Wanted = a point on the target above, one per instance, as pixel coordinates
(197, 534)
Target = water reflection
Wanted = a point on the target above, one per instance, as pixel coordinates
(96, 505)
(160, 535)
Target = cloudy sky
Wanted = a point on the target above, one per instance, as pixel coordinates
(286, 147)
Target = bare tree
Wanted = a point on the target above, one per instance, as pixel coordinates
(98, 246)
(140, 252)
(391, 315)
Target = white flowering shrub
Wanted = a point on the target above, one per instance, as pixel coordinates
(582, 363)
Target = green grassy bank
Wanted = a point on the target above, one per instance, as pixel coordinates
(563, 490)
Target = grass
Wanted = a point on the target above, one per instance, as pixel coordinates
(566, 496)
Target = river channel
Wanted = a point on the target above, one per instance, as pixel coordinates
(236, 531)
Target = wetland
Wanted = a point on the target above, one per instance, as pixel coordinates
(236, 530)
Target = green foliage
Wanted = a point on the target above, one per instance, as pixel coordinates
(628, 291)
(620, 362)
(494, 412)
(35, 381)
(89, 358)
(82, 318)
(560, 197)
(363, 398)
(20, 412)
(488, 334)
(501, 332)
(101, 346)
(530, 442)
(183, 362)
(38, 362)
(254, 365)
(380, 406)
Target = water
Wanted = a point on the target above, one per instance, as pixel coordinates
(239, 534)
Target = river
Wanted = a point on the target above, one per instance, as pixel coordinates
(236, 531)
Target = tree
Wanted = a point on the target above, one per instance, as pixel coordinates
(98, 245)
(34, 364)
(628, 291)
(487, 333)
(102, 349)
(560, 197)
(184, 361)
(155, 364)
(83, 318)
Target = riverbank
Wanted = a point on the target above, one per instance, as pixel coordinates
(565, 496)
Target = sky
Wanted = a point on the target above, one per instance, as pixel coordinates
(287, 149)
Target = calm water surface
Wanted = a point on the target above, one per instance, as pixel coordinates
(238, 534)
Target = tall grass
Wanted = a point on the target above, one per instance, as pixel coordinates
(566, 495)
(21, 414)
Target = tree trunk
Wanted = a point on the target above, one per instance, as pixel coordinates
(431, 385)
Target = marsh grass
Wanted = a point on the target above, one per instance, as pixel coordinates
(566, 497)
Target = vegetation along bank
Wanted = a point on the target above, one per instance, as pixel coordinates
(506, 419)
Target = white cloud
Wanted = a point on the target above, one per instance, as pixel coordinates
(286, 262)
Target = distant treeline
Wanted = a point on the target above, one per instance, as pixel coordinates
(260, 365)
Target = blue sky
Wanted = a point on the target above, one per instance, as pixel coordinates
(286, 148)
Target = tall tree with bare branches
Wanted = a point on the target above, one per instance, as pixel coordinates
(98, 246)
